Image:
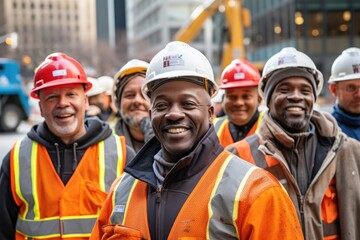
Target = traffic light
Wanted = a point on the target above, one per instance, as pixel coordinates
(12, 40)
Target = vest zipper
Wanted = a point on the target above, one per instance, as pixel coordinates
(301, 210)
(158, 214)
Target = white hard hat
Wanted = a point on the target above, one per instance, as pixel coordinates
(107, 82)
(179, 60)
(289, 57)
(132, 66)
(219, 96)
(346, 66)
(97, 88)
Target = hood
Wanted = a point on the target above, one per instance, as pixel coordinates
(96, 130)
(325, 125)
(206, 150)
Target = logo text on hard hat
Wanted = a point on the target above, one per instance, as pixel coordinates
(356, 68)
(61, 72)
(240, 75)
(287, 59)
(173, 60)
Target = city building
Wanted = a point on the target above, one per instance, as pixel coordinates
(320, 28)
(152, 24)
(47, 26)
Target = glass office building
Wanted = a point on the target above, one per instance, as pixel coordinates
(320, 28)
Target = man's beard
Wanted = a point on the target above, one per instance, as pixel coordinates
(129, 120)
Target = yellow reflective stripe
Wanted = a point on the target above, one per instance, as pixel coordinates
(120, 155)
(36, 207)
(260, 118)
(78, 226)
(17, 176)
(217, 182)
(237, 198)
(131, 192)
(101, 165)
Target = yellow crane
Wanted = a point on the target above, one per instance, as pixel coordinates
(236, 17)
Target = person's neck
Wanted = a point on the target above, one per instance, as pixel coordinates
(137, 134)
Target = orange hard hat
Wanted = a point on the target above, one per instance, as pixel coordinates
(58, 69)
(240, 73)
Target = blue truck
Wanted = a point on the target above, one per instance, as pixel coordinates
(14, 101)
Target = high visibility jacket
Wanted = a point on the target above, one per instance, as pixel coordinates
(247, 149)
(50, 210)
(223, 130)
(221, 206)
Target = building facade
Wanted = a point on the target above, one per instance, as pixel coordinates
(46, 26)
(320, 28)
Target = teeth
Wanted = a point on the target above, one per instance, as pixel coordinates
(176, 130)
(64, 116)
(294, 109)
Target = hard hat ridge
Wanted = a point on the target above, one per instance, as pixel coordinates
(179, 61)
(56, 70)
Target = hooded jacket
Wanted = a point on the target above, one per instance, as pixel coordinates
(337, 158)
(350, 125)
(167, 201)
(65, 158)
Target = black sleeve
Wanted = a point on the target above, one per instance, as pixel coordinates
(8, 208)
(130, 154)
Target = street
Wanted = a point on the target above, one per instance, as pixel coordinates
(7, 140)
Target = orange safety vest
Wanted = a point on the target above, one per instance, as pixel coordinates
(214, 209)
(222, 129)
(247, 149)
(48, 209)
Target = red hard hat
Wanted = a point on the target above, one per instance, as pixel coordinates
(58, 69)
(240, 73)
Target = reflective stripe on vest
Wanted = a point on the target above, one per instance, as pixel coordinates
(30, 222)
(259, 157)
(219, 124)
(208, 198)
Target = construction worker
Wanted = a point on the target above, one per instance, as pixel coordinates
(305, 149)
(344, 84)
(100, 101)
(182, 184)
(241, 101)
(217, 103)
(133, 118)
(54, 181)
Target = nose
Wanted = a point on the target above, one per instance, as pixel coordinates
(295, 95)
(175, 113)
(138, 98)
(63, 100)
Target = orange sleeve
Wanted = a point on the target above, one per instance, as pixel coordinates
(105, 213)
(268, 213)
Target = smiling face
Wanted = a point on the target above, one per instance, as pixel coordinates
(181, 114)
(63, 108)
(347, 94)
(291, 104)
(240, 104)
(133, 106)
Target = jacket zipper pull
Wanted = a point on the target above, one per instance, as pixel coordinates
(158, 193)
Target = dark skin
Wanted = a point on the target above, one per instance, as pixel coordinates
(291, 104)
(181, 113)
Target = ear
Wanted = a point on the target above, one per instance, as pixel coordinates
(211, 114)
(41, 111)
(86, 102)
(332, 88)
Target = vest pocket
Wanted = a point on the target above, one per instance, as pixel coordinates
(91, 197)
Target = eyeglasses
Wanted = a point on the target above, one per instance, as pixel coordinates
(351, 88)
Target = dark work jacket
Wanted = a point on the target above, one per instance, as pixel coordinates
(178, 183)
(122, 129)
(65, 158)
